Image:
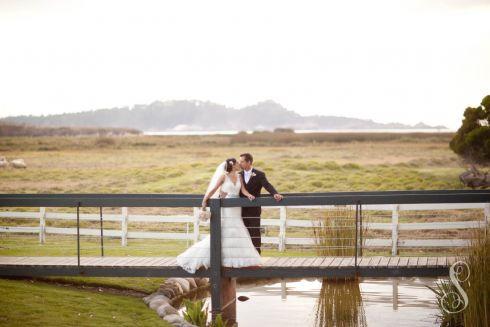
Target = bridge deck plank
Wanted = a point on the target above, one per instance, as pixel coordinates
(167, 266)
(413, 261)
(393, 262)
(383, 262)
(403, 262)
(365, 261)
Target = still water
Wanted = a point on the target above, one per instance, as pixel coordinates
(367, 302)
(304, 131)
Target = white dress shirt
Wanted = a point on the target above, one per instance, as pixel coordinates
(247, 174)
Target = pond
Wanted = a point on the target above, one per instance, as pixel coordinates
(384, 302)
(311, 302)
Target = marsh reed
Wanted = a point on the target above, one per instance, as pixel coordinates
(477, 286)
(340, 302)
(475, 282)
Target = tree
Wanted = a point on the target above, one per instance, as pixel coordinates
(472, 140)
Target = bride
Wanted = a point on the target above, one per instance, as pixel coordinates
(237, 249)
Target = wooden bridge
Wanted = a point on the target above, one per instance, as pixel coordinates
(374, 266)
(222, 278)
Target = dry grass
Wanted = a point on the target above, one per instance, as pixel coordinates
(475, 282)
(478, 284)
(335, 232)
(151, 164)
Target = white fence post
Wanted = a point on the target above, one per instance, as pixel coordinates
(394, 285)
(394, 230)
(284, 290)
(42, 225)
(282, 228)
(196, 225)
(124, 226)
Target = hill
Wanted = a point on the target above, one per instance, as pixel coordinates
(187, 115)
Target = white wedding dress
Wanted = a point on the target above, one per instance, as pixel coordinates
(237, 249)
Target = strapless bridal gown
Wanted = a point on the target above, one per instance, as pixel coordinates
(236, 244)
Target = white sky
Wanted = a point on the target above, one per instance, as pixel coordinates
(390, 61)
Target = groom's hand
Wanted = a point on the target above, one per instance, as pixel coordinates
(278, 197)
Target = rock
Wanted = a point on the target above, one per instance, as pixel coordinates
(475, 179)
(184, 284)
(3, 162)
(243, 298)
(166, 309)
(156, 296)
(192, 283)
(175, 287)
(149, 298)
(155, 303)
(169, 290)
(185, 324)
(18, 163)
(166, 291)
(202, 281)
(173, 319)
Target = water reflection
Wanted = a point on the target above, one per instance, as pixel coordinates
(340, 304)
(312, 302)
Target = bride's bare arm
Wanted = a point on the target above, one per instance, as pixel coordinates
(208, 195)
(244, 190)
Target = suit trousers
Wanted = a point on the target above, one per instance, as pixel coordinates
(251, 219)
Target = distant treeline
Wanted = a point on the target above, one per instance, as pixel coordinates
(29, 130)
(287, 136)
(257, 139)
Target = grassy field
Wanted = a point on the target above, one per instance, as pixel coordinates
(151, 164)
(34, 303)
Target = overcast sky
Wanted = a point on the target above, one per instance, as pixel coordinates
(390, 61)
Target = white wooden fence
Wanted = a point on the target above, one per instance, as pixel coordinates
(282, 223)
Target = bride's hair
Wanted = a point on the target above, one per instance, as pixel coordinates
(229, 164)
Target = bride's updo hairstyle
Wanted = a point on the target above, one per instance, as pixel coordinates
(229, 164)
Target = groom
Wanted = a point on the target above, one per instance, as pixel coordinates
(254, 181)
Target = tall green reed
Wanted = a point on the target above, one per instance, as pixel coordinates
(475, 283)
(196, 312)
(340, 301)
(477, 286)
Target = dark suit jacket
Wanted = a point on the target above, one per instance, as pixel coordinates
(254, 186)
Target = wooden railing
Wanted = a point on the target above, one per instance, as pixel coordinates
(281, 223)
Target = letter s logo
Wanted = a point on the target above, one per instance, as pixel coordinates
(454, 302)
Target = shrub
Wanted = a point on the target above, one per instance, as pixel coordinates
(472, 140)
(104, 141)
(283, 130)
(196, 312)
(351, 165)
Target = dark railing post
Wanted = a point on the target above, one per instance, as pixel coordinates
(78, 233)
(360, 229)
(357, 220)
(215, 248)
(101, 234)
